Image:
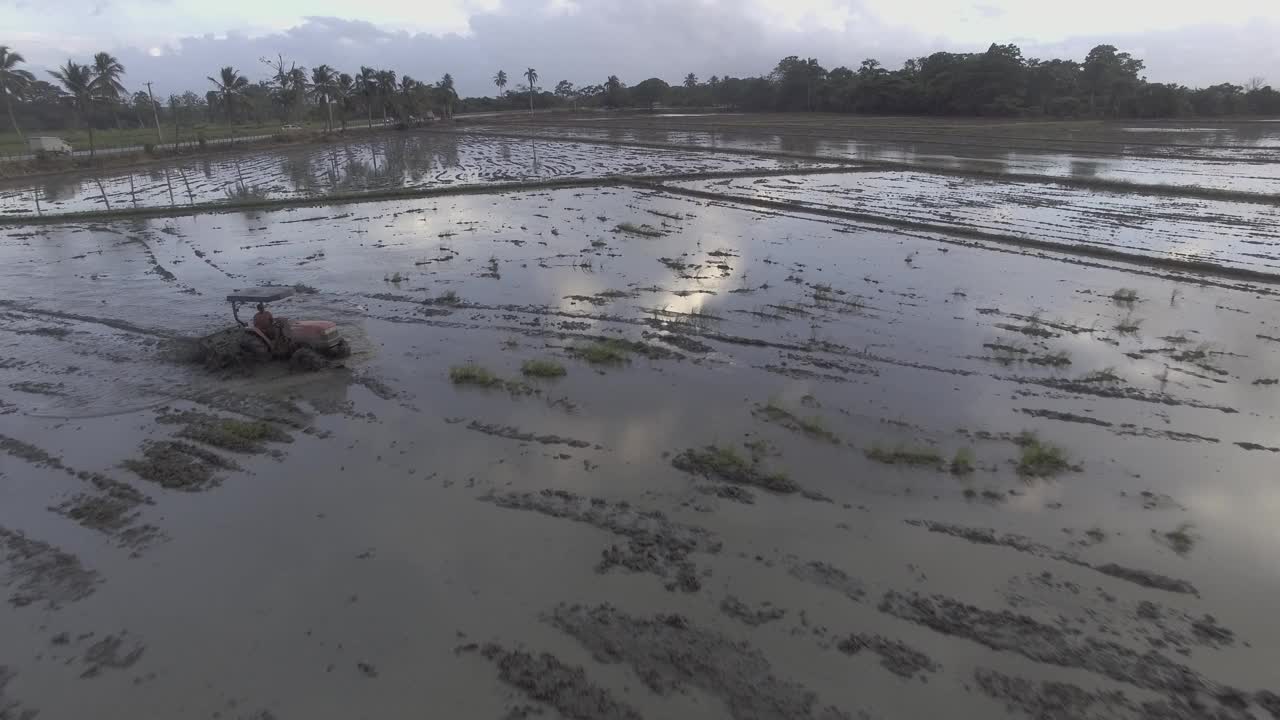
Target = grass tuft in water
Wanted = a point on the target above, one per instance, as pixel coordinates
(543, 368)
(472, 374)
(725, 463)
(1041, 459)
(603, 352)
(903, 455)
(962, 463)
(813, 425)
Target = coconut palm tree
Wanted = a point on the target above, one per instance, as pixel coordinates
(78, 81)
(447, 94)
(500, 80)
(231, 86)
(107, 71)
(366, 84)
(13, 82)
(408, 86)
(344, 88)
(295, 89)
(322, 90)
(691, 81)
(386, 89)
(532, 76)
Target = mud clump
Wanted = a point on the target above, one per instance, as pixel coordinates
(826, 575)
(11, 709)
(111, 514)
(513, 433)
(240, 436)
(734, 493)
(1009, 632)
(30, 453)
(668, 653)
(178, 465)
(987, 536)
(545, 679)
(1050, 699)
(1146, 578)
(740, 611)
(113, 652)
(896, 657)
(655, 544)
(41, 572)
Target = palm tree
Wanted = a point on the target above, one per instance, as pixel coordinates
(613, 88)
(78, 80)
(500, 80)
(447, 93)
(107, 71)
(407, 88)
(344, 88)
(231, 87)
(532, 76)
(691, 80)
(295, 89)
(322, 89)
(367, 84)
(13, 81)
(386, 89)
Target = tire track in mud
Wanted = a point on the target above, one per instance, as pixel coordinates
(1006, 631)
(544, 678)
(654, 543)
(668, 653)
(112, 510)
(1022, 544)
(42, 573)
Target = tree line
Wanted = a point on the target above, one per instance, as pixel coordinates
(999, 82)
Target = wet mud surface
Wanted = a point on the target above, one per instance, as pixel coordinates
(626, 451)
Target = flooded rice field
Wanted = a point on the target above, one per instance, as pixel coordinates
(646, 451)
(1240, 160)
(1230, 234)
(385, 162)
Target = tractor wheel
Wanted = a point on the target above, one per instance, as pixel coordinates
(253, 347)
(341, 350)
(304, 359)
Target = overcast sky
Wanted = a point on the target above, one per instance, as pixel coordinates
(176, 43)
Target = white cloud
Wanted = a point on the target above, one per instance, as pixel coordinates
(586, 40)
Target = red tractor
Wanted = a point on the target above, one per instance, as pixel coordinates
(282, 338)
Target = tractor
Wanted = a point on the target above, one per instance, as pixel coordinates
(302, 342)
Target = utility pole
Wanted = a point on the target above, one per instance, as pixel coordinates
(155, 114)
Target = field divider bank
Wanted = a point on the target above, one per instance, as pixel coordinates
(860, 164)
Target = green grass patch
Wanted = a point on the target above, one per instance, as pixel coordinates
(725, 463)
(1041, 459)
(543, 369)
(903, 455)
(472, 374)
(963, 462)
(603, 352)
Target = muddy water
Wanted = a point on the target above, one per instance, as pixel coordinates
(819, 562)
(1254, 170)
(413, 160)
